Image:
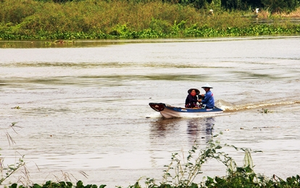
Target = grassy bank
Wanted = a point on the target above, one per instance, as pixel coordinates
(116, 19)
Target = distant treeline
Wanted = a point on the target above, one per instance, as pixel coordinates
(270, 5)
(128, 19)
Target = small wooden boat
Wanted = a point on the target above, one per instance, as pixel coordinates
(168, 111)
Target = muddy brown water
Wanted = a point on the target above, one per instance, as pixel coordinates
(81, 109)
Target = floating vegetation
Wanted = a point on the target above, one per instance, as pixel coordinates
(264, 111)
(13, 124)
(59, 42)
(16, 107)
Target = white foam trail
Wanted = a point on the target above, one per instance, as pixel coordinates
(227, 107)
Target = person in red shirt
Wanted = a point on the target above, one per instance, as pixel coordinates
(192, 98)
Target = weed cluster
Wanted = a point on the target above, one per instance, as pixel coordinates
(182, 173)
(7, 170)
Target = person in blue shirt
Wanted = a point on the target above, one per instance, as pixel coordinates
(208, 100)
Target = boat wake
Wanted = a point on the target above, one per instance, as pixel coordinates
(229, 107)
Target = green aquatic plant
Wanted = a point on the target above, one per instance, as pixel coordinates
(265, 111)
(16, 107)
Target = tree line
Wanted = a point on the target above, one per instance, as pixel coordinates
(270, 5)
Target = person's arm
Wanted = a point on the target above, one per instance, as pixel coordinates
(200, 97)
(187, 100)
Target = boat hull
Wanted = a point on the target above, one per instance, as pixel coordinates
(168, 111)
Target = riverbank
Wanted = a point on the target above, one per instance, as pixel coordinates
(32, 20)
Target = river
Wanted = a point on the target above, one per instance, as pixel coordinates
(80, 110)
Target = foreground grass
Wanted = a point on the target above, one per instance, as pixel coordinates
(181, 173)
(116, 19)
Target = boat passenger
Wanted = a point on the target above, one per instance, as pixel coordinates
(208, 100)
(192, 98)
